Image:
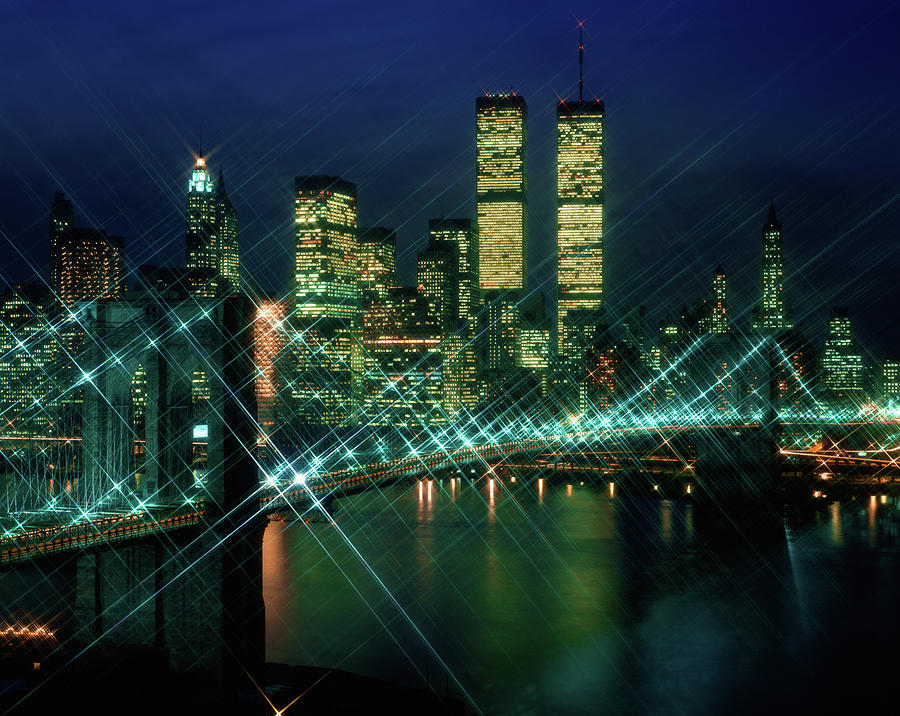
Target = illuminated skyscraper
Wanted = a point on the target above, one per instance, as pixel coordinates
(326, 272)
(437, 276)
(90, 266)
(201, 243)
(85, 264)
(227, 230)
(464, 234)
(772, 315)
(533, 338)
(579, 202)
(841, 364)
(377, 261)
(718, 321)
(269, 338)
(212, 235)
(503, 322)
(404, 389)
(29, 348)
(890, 382)
(501, 184)
(326, 300)
(62, 219)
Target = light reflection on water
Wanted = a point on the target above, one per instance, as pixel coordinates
(548, 598)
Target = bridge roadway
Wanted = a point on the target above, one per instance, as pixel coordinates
(46, 539)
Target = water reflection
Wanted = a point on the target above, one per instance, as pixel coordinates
(581, 601)
(665, 521)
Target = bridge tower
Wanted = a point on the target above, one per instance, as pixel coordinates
(197, 592)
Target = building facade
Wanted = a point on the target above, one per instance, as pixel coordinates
(325, 313)
(773, 313)
(377, 256)
(579, 210)
(211, 243)
(501, 185)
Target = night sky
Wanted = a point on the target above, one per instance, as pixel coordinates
(713, 109)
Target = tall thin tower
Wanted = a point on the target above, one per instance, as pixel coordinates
(501, 184)
(773, 314)
(719, 314)
(202, 244)
(579, 212)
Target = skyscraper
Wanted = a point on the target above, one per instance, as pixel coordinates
(227, 230)
(325, 276)
(464, 234)
(269, 337)
(533, 339)
(62, 219)
(842, 365)
(29, 349)
(503, 323)
(377, 261)
(326, 301)
(405, 387)
(501, 185)
(718, 322)
(212, 235)
(437, 276)
(85, 264)
(201, 243)
(579, 211)
(773, 314)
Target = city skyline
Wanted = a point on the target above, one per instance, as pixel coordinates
(666, 206)
(534, 359)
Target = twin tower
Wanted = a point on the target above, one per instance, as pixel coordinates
(502, 206)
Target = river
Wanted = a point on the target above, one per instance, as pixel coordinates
(528, 598)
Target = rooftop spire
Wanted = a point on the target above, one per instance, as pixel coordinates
(580, 62)
(772, 220)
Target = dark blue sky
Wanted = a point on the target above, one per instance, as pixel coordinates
(713, 109)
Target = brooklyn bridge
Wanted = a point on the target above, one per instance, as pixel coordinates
(157, 522)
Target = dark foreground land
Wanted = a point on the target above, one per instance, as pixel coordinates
(137, 682)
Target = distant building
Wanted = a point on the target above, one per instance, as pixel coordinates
(211, 243)
(85, 264)
(533, 339)
(437, 276)
(503, 318)
(718, 322)
(579, 202)
(269, 341)
(464, 234)
(501, 182)
(890, 381)
(404, 387)
(377, 257)
(772, 314)
(325, 311)
(634, 327)
(29, 351)
(842, 365)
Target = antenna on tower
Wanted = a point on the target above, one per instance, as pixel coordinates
(200, 148)
(580, 62)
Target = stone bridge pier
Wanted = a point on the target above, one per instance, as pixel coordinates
(196, 592)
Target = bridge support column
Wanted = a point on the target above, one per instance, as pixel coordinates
(199, 597)
(196, 592)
